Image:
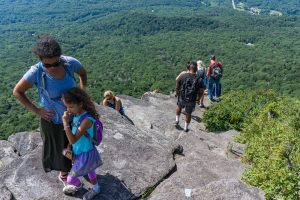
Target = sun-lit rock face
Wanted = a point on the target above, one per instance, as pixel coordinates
(138, 158)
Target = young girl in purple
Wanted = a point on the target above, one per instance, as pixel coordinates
(84, 154)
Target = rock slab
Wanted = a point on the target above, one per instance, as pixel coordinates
(137, 156)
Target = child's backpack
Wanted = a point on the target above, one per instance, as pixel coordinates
(216, 71)
(98, 129)
(189, 88)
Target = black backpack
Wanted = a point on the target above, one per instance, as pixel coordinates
(189, 88)
(216, 71)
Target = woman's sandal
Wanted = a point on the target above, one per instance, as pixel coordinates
(63, 178)
(68, 154)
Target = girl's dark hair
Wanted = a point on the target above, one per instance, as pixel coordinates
(77, 95)
(46, 47)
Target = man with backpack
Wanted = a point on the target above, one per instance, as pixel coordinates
(187, 88)
(214, 75)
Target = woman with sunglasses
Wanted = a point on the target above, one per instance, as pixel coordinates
(52, 75)
(113, 101)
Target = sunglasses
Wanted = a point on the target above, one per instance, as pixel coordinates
(52, 65)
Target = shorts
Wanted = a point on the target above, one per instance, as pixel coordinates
(189, 106)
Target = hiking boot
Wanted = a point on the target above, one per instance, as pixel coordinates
(72, 189)
(90, 194)
(186, 130)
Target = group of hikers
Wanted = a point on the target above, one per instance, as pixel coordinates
(69, 120)
(191, 87)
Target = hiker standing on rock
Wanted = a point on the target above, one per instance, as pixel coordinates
(187, 88)
(214, 75)
(53, 75)
(84, 154)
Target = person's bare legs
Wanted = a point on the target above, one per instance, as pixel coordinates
(202, 101)
(188, 118)
(178, 110)
(201, 97)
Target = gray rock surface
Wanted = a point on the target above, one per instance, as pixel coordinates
(25, 142)
(5, 194)
(236, 149)
(136, 158)
(228, 189)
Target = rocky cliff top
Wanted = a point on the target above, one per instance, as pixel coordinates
(139, 159)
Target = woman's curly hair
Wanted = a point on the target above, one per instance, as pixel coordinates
(47, 47)
(77, 95)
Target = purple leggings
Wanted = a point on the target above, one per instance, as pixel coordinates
(72, 180)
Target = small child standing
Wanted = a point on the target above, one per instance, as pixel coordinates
(84, 154)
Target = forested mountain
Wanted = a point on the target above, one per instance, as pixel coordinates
(287, 7)
(132, 47)
(135, 46)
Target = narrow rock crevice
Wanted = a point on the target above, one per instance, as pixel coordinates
(17, 152)
(149, 190)
(179, 151)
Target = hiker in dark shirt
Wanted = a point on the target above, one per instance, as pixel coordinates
(187, 88)
(113, 101)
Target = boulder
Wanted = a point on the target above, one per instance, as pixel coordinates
(25, 142)
(236, 149)
(203, 162)
(141, 155)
